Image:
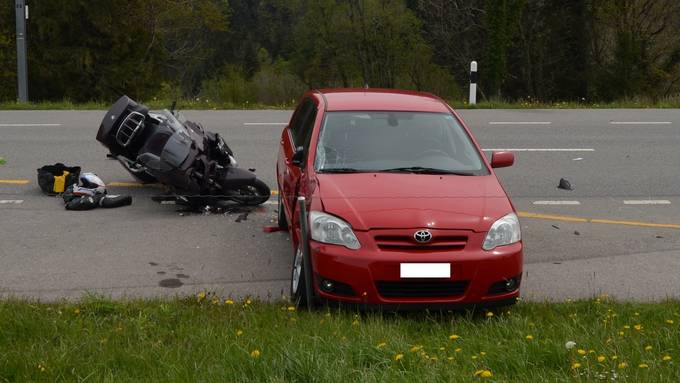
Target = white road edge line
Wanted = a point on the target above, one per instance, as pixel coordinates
(265, 123)
(647, 202)
(541, 150)
(11, 201)
(11, 125)
(640, 122)
(520, 122)
(556, 203)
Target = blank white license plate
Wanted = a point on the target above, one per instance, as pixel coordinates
(425, 270)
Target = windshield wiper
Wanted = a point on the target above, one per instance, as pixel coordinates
(341, 170)
(426, 170)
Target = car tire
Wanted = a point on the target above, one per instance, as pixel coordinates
(282, 221)
(298, 291)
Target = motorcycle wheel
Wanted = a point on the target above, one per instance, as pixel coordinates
(252, 194)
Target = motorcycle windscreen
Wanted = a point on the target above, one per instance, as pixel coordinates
(177, 149)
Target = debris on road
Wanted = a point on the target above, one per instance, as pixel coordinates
(555, 227)
(272, 229)
(55, 179)
(576, 232)
(564, 184)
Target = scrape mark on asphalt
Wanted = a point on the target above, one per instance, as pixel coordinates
(171, 283)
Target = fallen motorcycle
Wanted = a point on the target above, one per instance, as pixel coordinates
(197, 166)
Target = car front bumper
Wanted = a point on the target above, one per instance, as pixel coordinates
(370, 276)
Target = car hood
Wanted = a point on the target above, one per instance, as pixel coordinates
(389, 201)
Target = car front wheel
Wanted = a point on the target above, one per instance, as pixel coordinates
(298, 291)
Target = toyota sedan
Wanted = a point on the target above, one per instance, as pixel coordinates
(390, 201)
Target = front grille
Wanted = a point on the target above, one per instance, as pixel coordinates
(421, 289)
(129, 128)
(408, 243)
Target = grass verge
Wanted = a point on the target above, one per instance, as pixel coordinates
(209, 339)
(205, 104)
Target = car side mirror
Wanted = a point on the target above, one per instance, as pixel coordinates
(502, 159)
(299, 156)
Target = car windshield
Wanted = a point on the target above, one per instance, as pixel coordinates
(409, 142)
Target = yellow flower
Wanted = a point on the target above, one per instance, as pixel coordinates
(483, 373)
(643, 365)
(623, 365)
(626, 327)
(614, 357)
(601, 358)
(450, 358)
(474, 357)
(381, 345)
(453, 337)
(239, 333)
(638, 327)
(489, 314)
(669, 321)
(248, 301)
(398, 357)
(648, 348)
(621, 333)
(581, 351)
(482, 353)
(290, 308)
(666, 358)
(201, 296)
(530, 337)
(228, 302)
(458, 350)
(76, 311)
(355, 323)
(575, 365)
(416, 348)
(255, 354)
(215, 301)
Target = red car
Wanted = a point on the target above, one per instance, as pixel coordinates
(401, 207)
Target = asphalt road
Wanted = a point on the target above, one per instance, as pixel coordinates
(616, 233)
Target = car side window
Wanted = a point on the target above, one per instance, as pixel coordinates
(304, 124)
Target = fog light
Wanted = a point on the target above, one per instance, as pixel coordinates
(327, 285)
(510, 284)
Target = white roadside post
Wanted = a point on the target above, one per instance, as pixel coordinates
(473, 83)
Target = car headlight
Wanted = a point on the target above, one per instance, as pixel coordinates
(505, 231)
(330, 229)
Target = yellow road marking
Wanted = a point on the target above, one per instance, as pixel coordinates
(566, 218)
(14, 182)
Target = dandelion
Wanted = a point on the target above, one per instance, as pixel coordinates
(398, 357)
(489, 314)
(255, 354)
(570, 344)
(453, 337)
(416, 348)
(458, 350)
(576, 365)
(248, 301)
(581, 351)
(474, 357)
(76, 311)
(643, 365)
(530, 337)
(483, 373)
(290, 308)
(215, 301)
(601, 358)
(381, 345)
(638, 327)
(239, 332)
(614, 357)
(482, 353)
(201, 296)
(228, 302)
(355, 322)
(450, 358)
(623, 365)
(621, 333)
(626, 327)
(669, 321)
(648, 348)
(666, 358)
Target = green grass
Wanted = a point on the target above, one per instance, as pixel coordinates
(201, 339)
(2, 161)
(205, 104)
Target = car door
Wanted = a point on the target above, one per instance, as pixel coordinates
(298, 134)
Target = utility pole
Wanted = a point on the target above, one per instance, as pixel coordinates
(21, 10)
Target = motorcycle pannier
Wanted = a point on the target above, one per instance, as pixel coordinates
(54, 179)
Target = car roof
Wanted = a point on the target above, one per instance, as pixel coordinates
(346, 99)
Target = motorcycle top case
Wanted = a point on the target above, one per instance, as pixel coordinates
(114, 116)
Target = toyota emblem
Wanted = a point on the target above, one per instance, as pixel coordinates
(422, 236)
